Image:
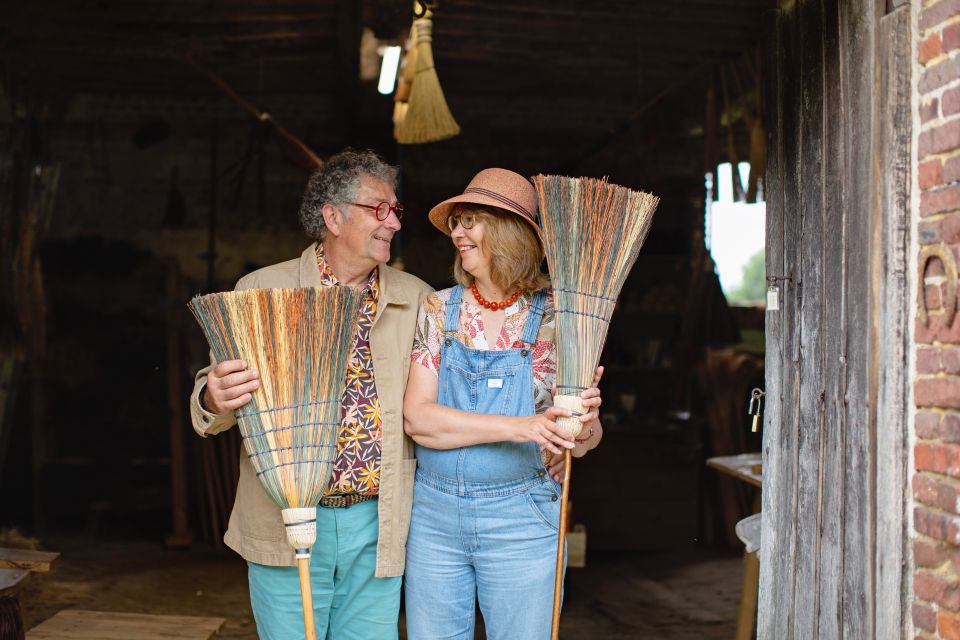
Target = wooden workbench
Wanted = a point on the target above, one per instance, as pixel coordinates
(75, 624)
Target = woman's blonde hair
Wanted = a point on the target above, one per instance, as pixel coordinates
(514, 250)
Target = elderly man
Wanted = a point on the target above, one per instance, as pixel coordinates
(352, 212)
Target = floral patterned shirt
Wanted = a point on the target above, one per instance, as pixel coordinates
(430, 330)
(357, 466)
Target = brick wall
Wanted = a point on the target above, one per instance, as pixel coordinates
(936, 479)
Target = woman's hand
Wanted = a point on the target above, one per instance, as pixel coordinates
(544, 430)
(589, 437)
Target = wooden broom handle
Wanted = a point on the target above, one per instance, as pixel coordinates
(306, 594)
(561, 539)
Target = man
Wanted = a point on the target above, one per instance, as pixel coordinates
(352, 212)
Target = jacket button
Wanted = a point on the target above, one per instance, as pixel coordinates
(553, 498)
(448, 342)
(541, 473)
(524, 352)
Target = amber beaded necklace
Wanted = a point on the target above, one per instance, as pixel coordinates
(494, 306)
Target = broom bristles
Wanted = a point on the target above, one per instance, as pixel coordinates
(427, 117)
(299, 341)
(592, 234)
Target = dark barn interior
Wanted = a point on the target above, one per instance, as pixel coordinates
(134, 176)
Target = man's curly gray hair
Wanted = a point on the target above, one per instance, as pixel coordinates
(337, 182)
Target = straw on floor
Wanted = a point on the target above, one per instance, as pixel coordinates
(427, 117)
(299, 341)
(592, 234)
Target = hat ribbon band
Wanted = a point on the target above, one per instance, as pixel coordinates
(501, 198)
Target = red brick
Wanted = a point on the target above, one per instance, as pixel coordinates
(937, 329)
(950, 102)
(928, 425)
(924, 617)
(939, 74)
(940, 458)
(929, 111)
(930, 523)
(928, 554)
(928, 359)
(939, 139)
(948, 625)
(938, 12)
(931, 294)
(925, 489)
(934, 588)
(935, 267)
(947, 493)
(951, 169)
(930, 48)
(950, 361)
(929, 231)
(949, 428)
(939, 201)
(937, 392)
(931, 174)
(951, 38)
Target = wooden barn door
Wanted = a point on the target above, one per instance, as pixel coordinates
(838, 107)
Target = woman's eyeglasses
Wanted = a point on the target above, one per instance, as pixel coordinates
(382, 209)
(466, 220)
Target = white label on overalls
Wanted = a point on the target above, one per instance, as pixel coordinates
(495, 383)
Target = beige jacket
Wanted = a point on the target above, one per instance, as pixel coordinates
(256, 529)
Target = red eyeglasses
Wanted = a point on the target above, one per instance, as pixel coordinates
(382, 209)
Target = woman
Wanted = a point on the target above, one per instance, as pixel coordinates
(478, 404)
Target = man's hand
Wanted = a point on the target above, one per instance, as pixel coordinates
(230, 385)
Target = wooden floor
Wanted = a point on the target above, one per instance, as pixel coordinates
(688, 595)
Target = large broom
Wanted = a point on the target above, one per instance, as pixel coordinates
(299, 341)
(592, 233)
(427, 117)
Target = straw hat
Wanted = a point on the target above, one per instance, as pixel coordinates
(495, 188)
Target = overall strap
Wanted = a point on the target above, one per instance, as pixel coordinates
(452, 320)
(534, 316)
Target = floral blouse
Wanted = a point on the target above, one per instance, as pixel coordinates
(430, 332)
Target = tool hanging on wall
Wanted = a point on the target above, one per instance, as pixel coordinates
(754, 408)
(427, 117)
(296, 150)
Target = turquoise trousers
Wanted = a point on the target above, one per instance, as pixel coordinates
(349, 602)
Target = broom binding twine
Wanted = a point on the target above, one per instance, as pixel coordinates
(301, 525)
(570, 424)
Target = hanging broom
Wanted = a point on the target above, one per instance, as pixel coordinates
(401, 97)
(592, 233)
(299, 341)
(427, 118)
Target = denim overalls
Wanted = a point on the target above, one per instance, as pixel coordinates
(485, 517)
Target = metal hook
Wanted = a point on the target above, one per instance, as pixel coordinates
(423, 8)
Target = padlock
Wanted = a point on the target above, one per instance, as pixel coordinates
(753, 409)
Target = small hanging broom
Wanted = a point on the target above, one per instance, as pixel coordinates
(401, 97)
(592, 233)
(427, 117)
(299, 341)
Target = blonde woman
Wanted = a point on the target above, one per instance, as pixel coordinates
(478, 405)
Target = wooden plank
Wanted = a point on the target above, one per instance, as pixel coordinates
(810, 414)
(10, 579)
(75, 624)
(858, 19)
(772, 613)
(40, 561)
(743, 466)
(893, 339)
(834, 310)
